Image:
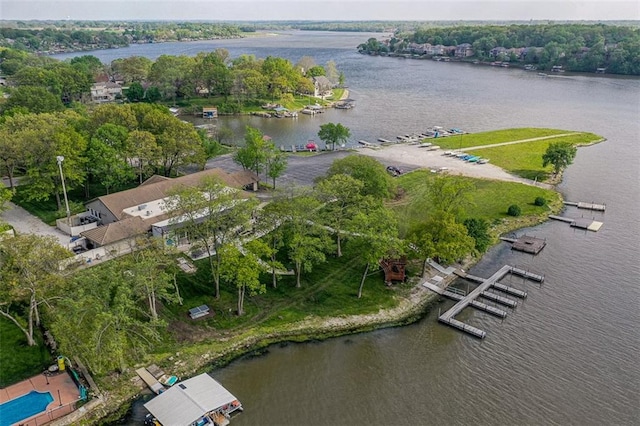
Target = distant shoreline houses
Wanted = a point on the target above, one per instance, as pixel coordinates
(464, 52)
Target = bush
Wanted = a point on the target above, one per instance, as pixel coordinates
(540, 201)
(514, 210)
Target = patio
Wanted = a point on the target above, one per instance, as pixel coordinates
(62, 388)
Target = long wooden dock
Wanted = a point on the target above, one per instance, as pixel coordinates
(586, 206)
(482, 291)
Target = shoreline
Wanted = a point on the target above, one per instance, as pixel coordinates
(413, 304)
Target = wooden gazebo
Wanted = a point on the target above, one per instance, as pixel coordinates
(394, 269)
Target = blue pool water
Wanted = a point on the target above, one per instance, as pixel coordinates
(24, 407)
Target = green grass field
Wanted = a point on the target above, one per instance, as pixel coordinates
(496, 136)
(525, 159)
(330, 289)
(18, 360)
(490, 200)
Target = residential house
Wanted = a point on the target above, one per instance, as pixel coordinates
(105, 92)
(464, 50)
(498, 52)
(322, 87)
(124, 215)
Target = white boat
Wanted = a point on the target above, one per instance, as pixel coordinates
(425, 145)
(483, 161)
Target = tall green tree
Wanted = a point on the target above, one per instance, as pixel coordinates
(242, 267)
(306, 241)
(442, 238)
(34, 99)
(375, 236)
(210, 215)
(343, 201)
(377, 181)
(150, 270)
(103, 321)
(559, 155)
(333, 134)
(253, 155)
(45, 137)
(29, 278)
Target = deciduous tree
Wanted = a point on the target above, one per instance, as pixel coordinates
(559, 155)
(29, 277)
(210, 215)
(333, 134)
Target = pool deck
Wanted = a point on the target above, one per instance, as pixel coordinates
(64, 392)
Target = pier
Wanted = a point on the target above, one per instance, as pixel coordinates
(586, 206)
(581, 223)
(482, 291)
(526, 244)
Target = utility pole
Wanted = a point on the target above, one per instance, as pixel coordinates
(60, 159)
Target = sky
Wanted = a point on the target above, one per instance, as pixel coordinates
(334, 10)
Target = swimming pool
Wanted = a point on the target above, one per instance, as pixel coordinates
(24, 407)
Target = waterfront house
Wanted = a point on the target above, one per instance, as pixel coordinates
(322, 87)
(463, 50)
(105, 92)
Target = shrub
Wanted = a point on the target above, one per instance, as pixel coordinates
(514, 210)
(540, 201)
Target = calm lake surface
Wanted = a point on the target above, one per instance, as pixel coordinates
(569, 354)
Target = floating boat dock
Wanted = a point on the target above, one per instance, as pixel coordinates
(586, 206)
(526, 243)
(199, 400)
(482, 291)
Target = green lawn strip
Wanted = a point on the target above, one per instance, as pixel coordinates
(525, 159)
(489, 200)
(497, 136)
(18, 360)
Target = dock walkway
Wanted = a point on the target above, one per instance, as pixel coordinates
(482, 291)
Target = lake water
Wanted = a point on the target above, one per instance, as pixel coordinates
(569, 354)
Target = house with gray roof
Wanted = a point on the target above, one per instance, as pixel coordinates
(322, 87)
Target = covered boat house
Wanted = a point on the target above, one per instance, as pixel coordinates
(199, 400)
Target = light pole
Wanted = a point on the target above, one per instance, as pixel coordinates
(60, 159)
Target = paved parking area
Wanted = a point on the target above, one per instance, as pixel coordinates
(302, 170)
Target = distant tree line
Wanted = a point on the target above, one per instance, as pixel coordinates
(575, 47)
(53, 39)
(44, 84)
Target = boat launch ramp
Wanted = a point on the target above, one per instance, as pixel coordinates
(482, 291)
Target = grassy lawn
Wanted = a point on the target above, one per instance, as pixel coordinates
(18, 360)
(489, 201)
(329, 290)
(497, 136)
(525, 159)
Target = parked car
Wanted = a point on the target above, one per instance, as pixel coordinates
(394, 171)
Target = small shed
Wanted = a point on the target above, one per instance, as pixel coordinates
(209, 112)
(394, 269)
